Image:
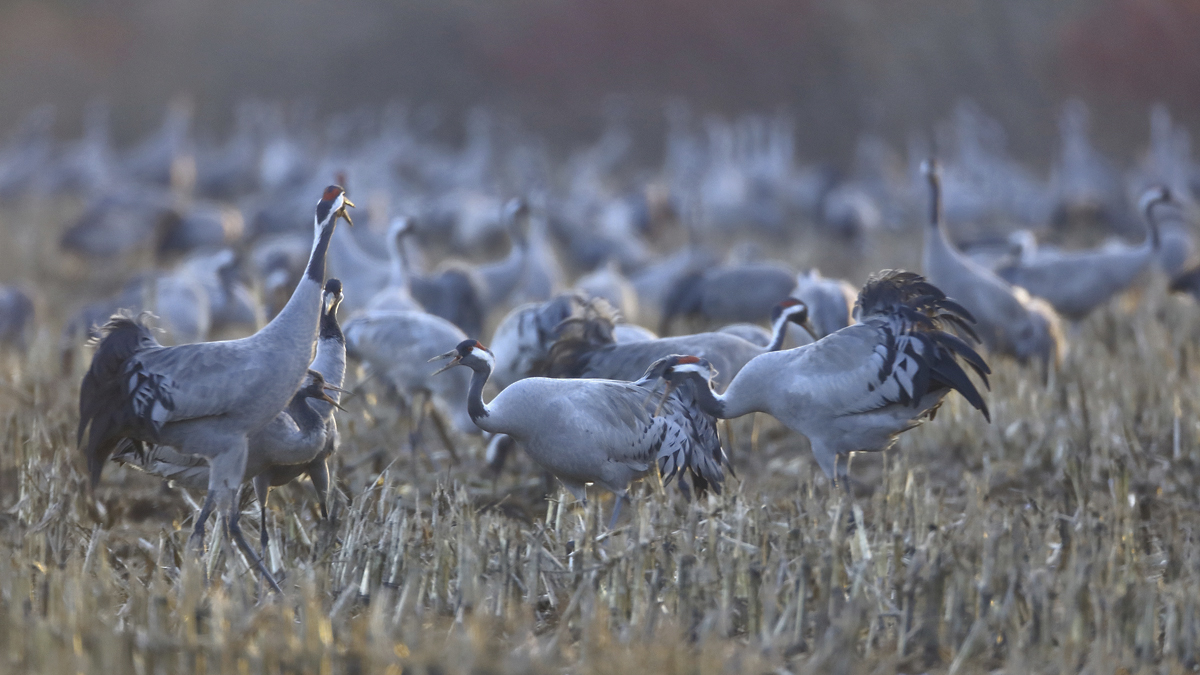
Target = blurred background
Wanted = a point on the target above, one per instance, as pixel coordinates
(838, 67)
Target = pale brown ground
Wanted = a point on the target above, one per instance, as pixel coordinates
(1061, 536)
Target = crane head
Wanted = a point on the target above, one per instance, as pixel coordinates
(795, 311)
(333, 295)
(668, 369)
(401, 226)
(469, 353)
(315, 386)
(332, 205)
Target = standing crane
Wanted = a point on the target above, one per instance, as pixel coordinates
(859, 388)
(1077, 282)
(397, 346)
(298, 441)
(1010, 321)
(593, 431)
(206, 399)
(397, 295)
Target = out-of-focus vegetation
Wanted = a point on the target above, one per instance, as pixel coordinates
(841, 66)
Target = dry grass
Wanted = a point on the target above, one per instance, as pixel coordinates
(1061, 537)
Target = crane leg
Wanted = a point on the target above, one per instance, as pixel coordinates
(235, 533)
(754, 431)
(318, 473)
(418, 422)
(621, 498)
(196, 540)
(262, 490)
(729, 434)
(440, 425)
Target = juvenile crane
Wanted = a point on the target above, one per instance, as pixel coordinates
(860, 387)
(206, 399)
(593, 431)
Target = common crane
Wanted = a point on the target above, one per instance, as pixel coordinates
(206, 399)
(1009, 320)
(590, 431)
(857, 389)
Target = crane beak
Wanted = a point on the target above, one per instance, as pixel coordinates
(450, 354)
(808, 328)
(334, 387)
(329, 399)
(342, 211)
(666, 394)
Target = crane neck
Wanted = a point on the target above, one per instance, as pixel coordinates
(710, 402)
(1153, 239)
(297, 323)
(476, 408)
(307, 419)
(778, 333)
(935, 202)
(399, 263)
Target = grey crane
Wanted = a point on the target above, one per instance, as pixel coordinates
(591, 431)
(744, 292)
(830, 302)
(397, 295)
(1077, 282)
(1010, 321)
(607, 282)
(202, 295)
(455, 292)
(857, 389)
(396, 347)
(526, 334)
(501, 279)
(586, 347)
(299, 440)
(206, 399)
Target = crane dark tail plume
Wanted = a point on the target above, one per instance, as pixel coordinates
(105, 414)
(579, 336)
(917, 315)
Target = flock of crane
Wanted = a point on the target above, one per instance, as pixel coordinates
(590, 397)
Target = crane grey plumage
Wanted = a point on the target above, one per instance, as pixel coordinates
(607, 282)
(454, 292)
(525, 335)
(593, 431)
(299, 440)
(205, 399)
(586, 347)
(745, 292)
(502, 278)
(359, 270)
(397, 295)
(398, 345)
(1077, 282)
(857, 389)
(1009, 320)
(830, 301)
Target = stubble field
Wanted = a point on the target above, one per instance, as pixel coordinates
(1062, 537)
